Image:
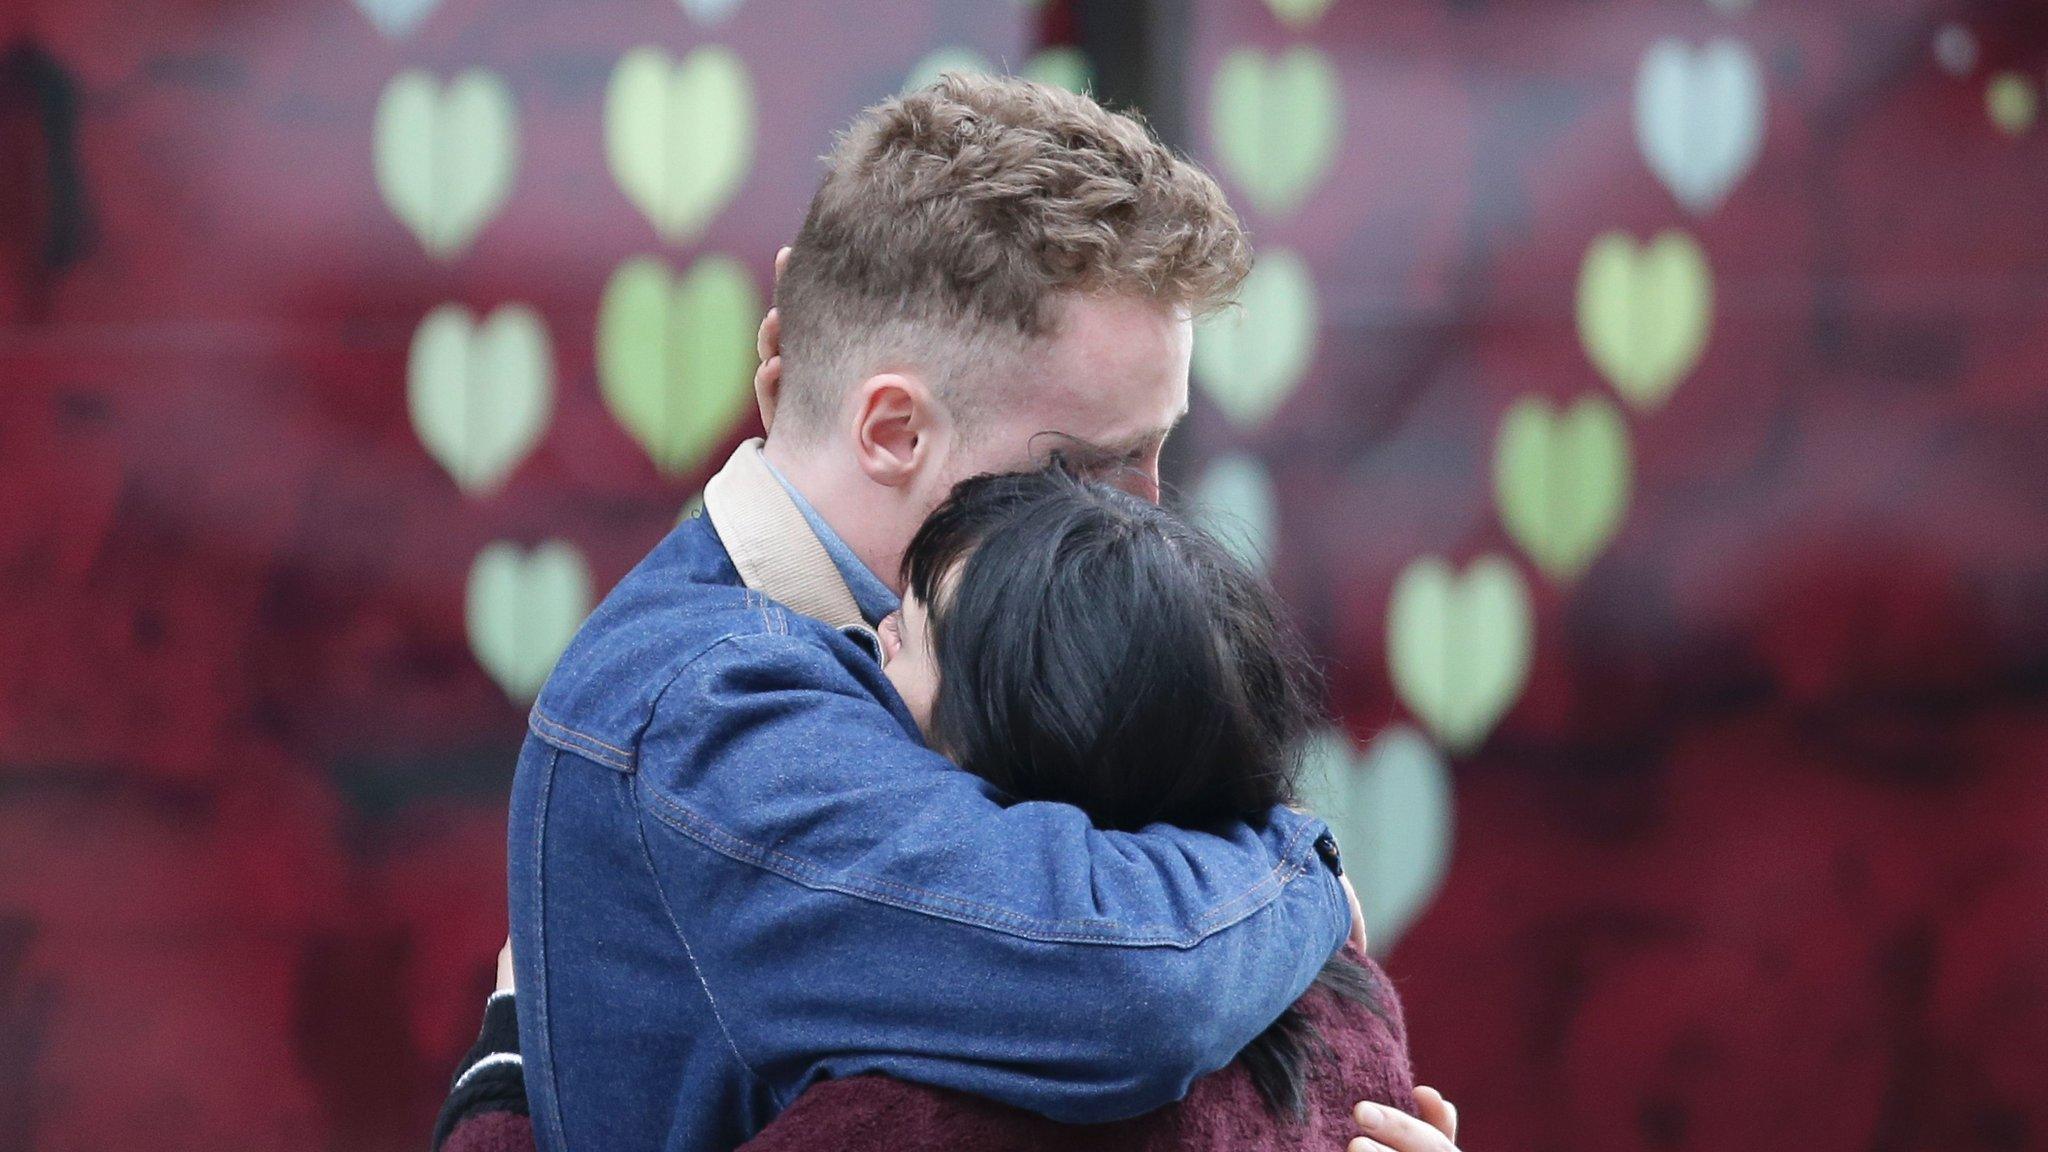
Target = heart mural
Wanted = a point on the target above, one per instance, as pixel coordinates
(679, 137)
(445, 158)
(675, 359)
(2011, 103)
(480, 395)
(1562, 482)
(1700, 118)
(1298, 13)
(395, 18)
(1391, 812)
(1644, 313)
(1276, 124)
(1060, 67)
(1459, 646)
(1249, 359)
(710, 11)
(1235, 502)
(522, 609)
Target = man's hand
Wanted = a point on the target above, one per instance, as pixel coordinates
(1391, 1130)
(1357, 914)
(505, 968)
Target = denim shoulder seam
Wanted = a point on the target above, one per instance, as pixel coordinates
(668, 910)
(972, 913)
(552, 731)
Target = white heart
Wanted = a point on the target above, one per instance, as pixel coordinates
(710, 11)
(1235, 502)
(1700, 118)
(395, 18)
(1391, 811)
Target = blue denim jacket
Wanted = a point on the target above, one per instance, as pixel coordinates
(736, 869)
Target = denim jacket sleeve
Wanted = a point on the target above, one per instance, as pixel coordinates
(855, 902)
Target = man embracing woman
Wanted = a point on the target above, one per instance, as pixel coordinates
(934, 789)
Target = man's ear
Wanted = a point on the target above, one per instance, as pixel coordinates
(894, 417)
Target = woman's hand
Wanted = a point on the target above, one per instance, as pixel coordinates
(1391, 1130)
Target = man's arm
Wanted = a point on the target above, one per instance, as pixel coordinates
(855, 902)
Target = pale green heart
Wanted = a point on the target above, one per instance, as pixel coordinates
(1235, 502)
(1060, 67)
(1249, 359)
(1645, 313)
(480, 395)
(1298, 13)
(2011, 103)
(675, 359)
(945, 59)
(445, 158)
(522, 609)
(1459, 646)
(1391, 812)
(679, 137)
(1562, 482)
(1277, 125)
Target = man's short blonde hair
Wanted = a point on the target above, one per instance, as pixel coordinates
(954, 220)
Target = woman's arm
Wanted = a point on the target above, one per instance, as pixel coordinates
(486, 1108)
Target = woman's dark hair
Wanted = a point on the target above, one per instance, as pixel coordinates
(1096, 650)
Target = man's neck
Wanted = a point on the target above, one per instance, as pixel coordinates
(835, 492)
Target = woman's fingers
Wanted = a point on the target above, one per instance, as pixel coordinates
(505, 967)
(1439, 1112)
(1396, 1130)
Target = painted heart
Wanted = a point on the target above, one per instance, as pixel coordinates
(679, 137)
(1250, 359)
(1235, 502)
(1459, 646)
(1562, 482)
(710, 11)
(2011, 103)
(1298, 13)
(1645, 313)
(522, 609)
(1060, 67)
(1391, 812)
(395, 18)
(675, 359)
(946, 59)
(445, 159)
(1276, 124)
(480, 395)
(1700, 118)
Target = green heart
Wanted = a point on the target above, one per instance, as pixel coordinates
(1562, 481)
(675, 361)
(1298, 13)
(522, 609)
(2011, 103)
(445, 159)
(1459, 647)
(1060, 67)
(1235, 502)
(679, 137)
(480, 396)
(1644, 314)
(1276, 125)
(1251, 358)
(1391, 812)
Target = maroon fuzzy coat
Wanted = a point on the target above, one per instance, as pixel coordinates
(1222, 1111)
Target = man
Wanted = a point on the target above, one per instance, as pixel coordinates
(735, 869)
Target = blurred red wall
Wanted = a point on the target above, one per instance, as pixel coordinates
(1759, 858)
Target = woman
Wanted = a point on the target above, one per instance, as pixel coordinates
(1070, 643)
